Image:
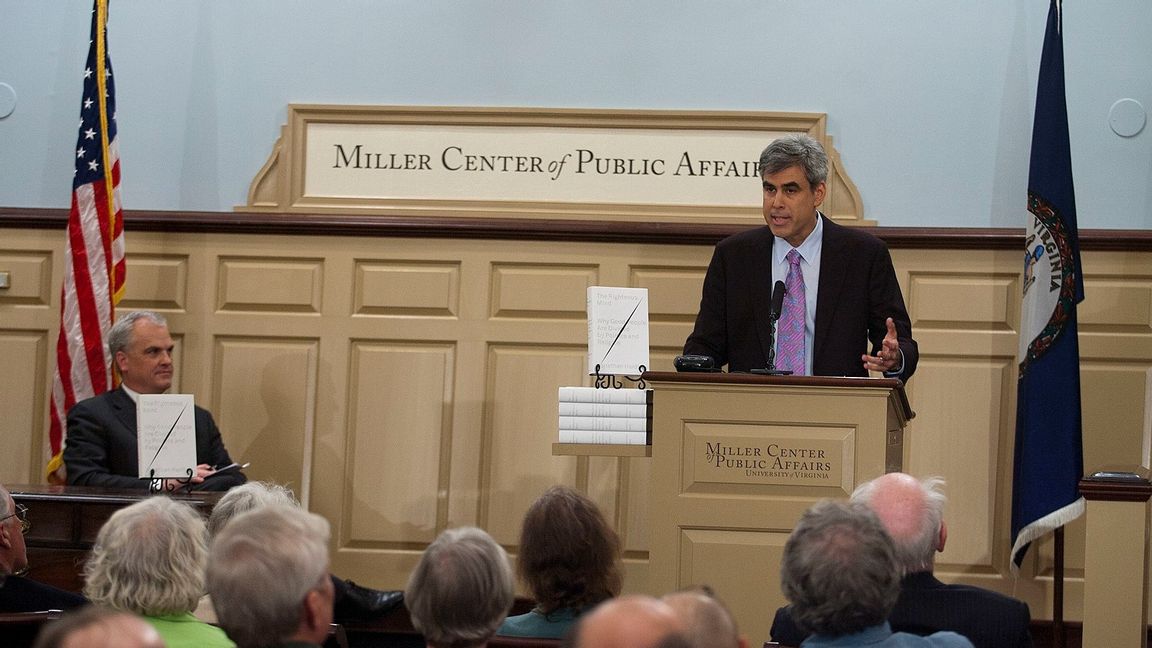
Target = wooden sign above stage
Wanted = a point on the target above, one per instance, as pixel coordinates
(652, 166)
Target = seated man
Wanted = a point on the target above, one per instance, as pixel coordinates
(18, 594)
(461, 590)
(709, 623)
(912, 511)
(840, 572)
(353, 602)
(630, 622)
(268, 576)
(100, 449)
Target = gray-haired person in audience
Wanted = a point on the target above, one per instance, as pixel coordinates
(632, 621)
(708, 622)
(19, 594)
(461, 589)
(912, 512)
(149, 559)
(353, 601)
(268, 576)
(840, 572)
(99, 627)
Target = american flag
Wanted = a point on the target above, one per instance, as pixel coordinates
(94, 247)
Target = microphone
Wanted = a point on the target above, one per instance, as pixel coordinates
(777, 301)
(774, 309)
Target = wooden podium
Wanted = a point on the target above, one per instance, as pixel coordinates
(736, 459)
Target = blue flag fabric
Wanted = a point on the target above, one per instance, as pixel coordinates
(1049, 459)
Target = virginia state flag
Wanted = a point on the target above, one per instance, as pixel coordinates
(1049, 457)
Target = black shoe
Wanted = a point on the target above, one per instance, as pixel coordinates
(356, 602)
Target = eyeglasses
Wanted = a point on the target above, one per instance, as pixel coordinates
(22, 513)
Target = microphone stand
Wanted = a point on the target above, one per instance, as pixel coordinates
(771, 370)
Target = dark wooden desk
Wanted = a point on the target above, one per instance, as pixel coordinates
(65, 520)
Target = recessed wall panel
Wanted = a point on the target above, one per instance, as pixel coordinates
(520, 427)
(156, 283)
(1120, 304)
(270, 285)
(956, 434)
(29, 278)
(399, 428)
(265, 401)
(541, 291)
(983, 302)
(407, 288)
(673, 293)
(23, 429)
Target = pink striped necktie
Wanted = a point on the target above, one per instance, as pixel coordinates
(790, 331)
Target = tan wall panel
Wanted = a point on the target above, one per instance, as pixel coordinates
(674, 293)
(157, 283)
(956, 434)
(973, 300)
(519, 430)
(21, 461)
(1118, 303)
(270, 284)
(264, 397)
(541, 291)
(29, 278)
(407, 288)
(397, 449)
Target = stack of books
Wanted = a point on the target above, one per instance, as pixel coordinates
(609, 416)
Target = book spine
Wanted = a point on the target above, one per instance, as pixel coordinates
(605, 437)
(605, 423)
(594, 395)
(621, 410)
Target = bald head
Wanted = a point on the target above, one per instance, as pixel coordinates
(912, 512)
(708, 624)
(97, 627)
(628, 622)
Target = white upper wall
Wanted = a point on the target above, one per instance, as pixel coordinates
(929, 101)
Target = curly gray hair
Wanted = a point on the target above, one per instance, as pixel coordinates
(149, 559)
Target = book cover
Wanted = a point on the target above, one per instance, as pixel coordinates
(166, 435)
(617, 330)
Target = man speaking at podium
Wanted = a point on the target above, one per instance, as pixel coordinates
(100, 449)
(842, 313)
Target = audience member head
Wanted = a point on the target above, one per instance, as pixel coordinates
(247, 497)
(461, 590)
(149, 558)
(839, 569)
(629, 622)
(569, 554)
(268, 577)
(141, 351)
(796, 149)
(912, 511)
(93, 626)
(708, 622)
(13, 553)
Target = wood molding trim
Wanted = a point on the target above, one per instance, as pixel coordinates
(947, 238)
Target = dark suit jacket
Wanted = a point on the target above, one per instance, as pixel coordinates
(24, 595)
(989, 619)
(857, 292)
(100, 449)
